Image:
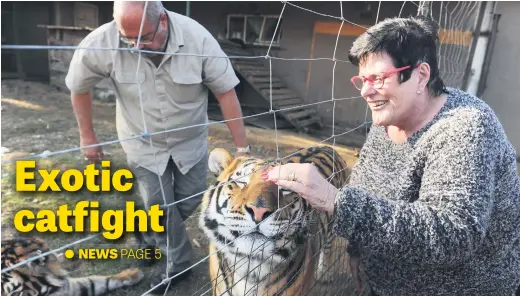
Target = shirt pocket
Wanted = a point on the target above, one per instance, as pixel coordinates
(128, 84)
(186, 74)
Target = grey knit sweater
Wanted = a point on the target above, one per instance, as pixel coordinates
(439, 214)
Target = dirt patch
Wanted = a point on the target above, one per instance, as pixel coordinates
(36, 119)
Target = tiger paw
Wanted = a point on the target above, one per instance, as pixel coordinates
(130, 276)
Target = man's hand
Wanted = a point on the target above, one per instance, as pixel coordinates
(93, 154)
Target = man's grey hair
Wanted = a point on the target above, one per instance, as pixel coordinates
(153, 11)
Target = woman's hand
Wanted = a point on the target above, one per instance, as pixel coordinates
(306, 180)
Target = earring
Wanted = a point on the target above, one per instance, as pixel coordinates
(418, 92)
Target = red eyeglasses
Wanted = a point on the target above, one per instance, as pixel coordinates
(376, 80)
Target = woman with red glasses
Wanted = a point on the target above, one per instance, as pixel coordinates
(433, 204)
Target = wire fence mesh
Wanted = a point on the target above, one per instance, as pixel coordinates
(304, 259)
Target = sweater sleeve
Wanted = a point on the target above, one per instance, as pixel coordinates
(449, 220)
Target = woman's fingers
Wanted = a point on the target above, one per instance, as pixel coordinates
(274, 174)
(293, 186)
(290, 171)
(307, 182)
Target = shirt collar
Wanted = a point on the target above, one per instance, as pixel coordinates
(175, 39)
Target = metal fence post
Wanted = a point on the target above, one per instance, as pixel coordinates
(474, 41)
(424, 8)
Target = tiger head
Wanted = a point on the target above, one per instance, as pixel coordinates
(18, 249)
(244, 213)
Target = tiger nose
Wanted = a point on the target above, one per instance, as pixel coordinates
(258, 214)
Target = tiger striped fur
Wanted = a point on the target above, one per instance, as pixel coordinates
(256, 249)
(45, 276)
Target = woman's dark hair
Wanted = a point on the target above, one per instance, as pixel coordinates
(408, 41)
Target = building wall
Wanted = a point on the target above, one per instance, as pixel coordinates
(502, 91)
(64, 12)
(24, 30)
(59, 60)
(312, 80)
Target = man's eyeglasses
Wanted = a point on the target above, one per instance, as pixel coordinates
(377, 81)
(145, 39)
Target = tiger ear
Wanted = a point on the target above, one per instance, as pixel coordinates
(219, 159)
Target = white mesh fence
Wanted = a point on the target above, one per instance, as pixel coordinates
(456, 19)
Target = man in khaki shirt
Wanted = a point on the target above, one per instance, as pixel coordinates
(174, 90)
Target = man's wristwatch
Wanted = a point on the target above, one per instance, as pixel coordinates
(246, 149)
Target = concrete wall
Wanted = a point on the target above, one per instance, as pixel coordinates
(59, 60)
(64, 12)
(503, 90)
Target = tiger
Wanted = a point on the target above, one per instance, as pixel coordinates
(255, 249)
(46, 276)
